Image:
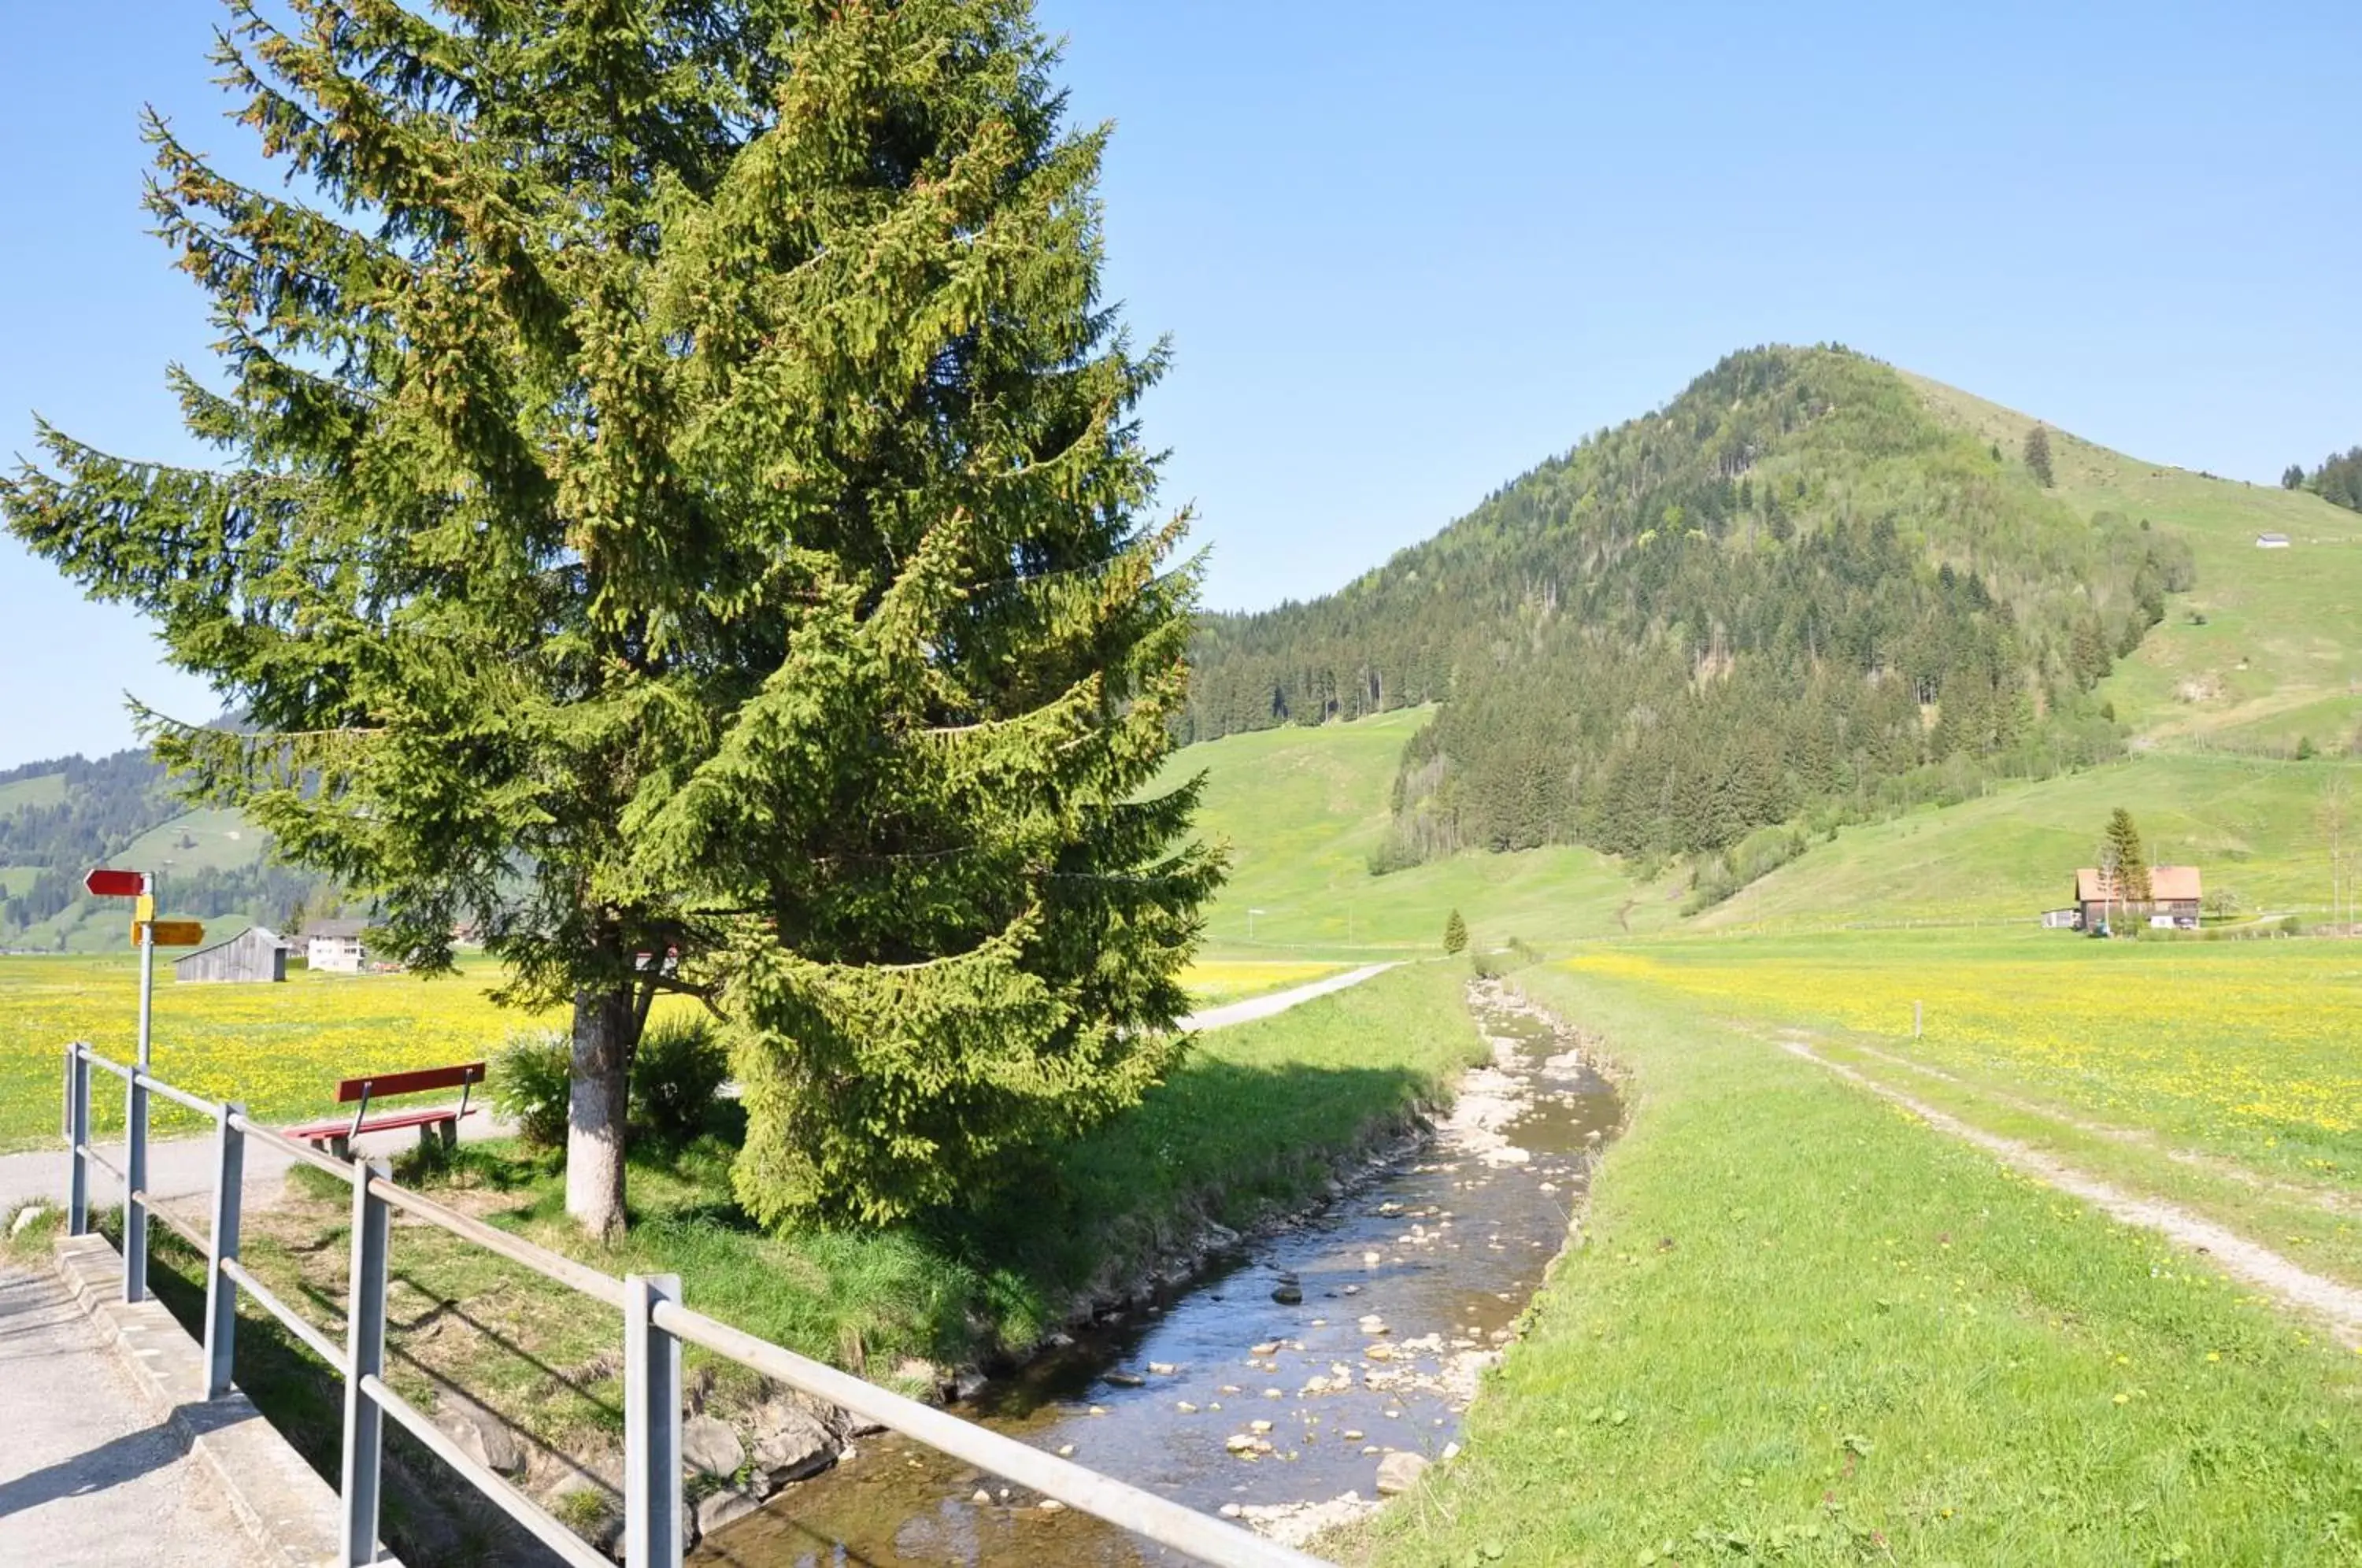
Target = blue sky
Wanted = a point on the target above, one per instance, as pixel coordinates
(1405, 252)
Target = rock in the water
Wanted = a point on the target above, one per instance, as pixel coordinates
(1126, 1379)
(982, 1499)
(726, 1506)
(708, 1443)
(1399, 1473)
(791, 1442)
(1294, 1524)
(1288, 1295)
(1051, 1506)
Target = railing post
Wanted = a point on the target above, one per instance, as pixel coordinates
(364, 1357)
(652, 1502)
(135, 1183)
(77, 1140)
(221, 1291)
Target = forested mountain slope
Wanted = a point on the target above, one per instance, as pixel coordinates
(1794, 586)
(61, 817)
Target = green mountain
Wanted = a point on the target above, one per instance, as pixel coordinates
(60, 817)
(1805, 590)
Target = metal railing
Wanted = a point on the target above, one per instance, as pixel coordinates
(656, 1325)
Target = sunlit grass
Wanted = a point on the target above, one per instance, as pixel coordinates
(1803, 1326)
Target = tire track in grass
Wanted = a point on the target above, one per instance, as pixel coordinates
(2337, 1203)
(2291, 1284)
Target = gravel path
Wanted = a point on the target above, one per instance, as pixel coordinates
(1279, 1001)
(2286, 1282)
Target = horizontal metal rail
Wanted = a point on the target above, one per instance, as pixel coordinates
(1120, 1503)
(656, 1326)
(155, 1085)
(178, 1226)
(599, 1286)
(120, 1069)
(321, 1345)
(485, 1479)
(293, 1148)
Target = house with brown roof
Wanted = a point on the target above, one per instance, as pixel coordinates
(2174, 895)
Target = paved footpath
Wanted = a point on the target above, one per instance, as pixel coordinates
(1247, 1011)
(88, 1479)
(183, 1168)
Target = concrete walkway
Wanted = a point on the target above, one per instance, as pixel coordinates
(87, 1476)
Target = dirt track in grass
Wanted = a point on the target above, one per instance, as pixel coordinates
(2285, 1281)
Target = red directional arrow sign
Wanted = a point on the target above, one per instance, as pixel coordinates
(105, 884)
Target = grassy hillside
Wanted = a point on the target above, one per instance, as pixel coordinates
(1303, 809)
(2254, 826)
(2279, 653)
(42, 789)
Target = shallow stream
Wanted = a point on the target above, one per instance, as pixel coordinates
(1226, 1398)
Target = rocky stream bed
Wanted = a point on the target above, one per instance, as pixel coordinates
(1288, 1384)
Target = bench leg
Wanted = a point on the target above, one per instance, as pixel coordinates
(341, 1146)
(444, 1132)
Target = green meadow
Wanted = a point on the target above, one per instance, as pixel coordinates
(1302, 809)
(2254, 826)
(1798, 1325)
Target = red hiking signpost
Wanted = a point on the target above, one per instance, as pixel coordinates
(146, 931)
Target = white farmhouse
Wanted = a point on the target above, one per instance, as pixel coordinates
(334, 947)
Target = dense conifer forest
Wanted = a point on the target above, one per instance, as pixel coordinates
(1790, 594)
(2338, 480)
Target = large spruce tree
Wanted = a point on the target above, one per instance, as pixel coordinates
(680, 513)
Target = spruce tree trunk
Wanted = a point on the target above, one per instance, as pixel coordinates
(594, 1123)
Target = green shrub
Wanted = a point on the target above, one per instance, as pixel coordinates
(1519, 954)
(680, 1066)
(531, 1082)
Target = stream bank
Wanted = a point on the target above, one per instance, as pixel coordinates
(1277, 1384)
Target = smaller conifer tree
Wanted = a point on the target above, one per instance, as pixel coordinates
(2130, 861)
(1455, 934)
(2037, 454)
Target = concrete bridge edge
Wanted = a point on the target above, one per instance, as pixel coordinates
(284, 1506)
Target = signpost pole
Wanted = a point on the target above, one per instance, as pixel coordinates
(146, 974)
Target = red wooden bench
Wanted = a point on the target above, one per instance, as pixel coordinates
(441, 1120)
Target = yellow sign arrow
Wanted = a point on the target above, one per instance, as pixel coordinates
(170, 933)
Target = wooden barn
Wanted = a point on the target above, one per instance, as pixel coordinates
(2175, 894)
(255, 954)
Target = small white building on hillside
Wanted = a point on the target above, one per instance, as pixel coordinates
(334, 947)
(2271, 541)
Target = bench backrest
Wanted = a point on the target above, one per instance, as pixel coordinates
(382, 1085)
